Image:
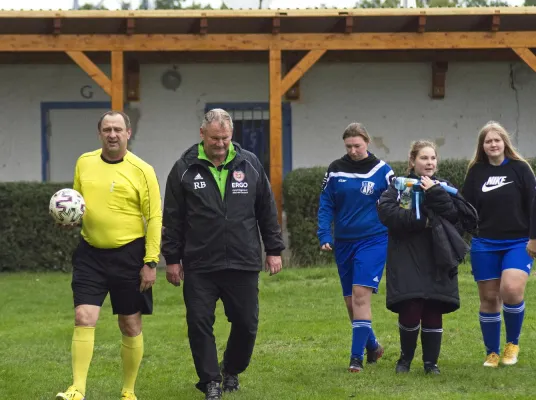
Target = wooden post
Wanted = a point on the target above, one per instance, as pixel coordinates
(276, 130)
(117, 81)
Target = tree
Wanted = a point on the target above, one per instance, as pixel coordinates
(168, 4)
(179, 5)
(443, 3)
(89, 6)
(529, 3)
(378, 4)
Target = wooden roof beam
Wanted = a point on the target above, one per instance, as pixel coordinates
(56, 25)
(526, 55)
(495, 22)
(439, 77)
(415, 24)
(92, 70)
(300, 69)
(344, 24)
(421, 23)
(276, 25)
(131, 26)
(260, 42)
(200, 26)
(118, 81)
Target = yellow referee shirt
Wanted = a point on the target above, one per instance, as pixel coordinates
(122, 202)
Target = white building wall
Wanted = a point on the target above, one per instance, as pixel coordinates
(394, 104)
(392, 100)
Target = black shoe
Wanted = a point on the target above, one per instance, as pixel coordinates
(230, 381)
(356, 365)
(431, 368)
(213, 391)
(375, 355)
(402, 366)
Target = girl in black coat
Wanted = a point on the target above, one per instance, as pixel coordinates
(421, 284)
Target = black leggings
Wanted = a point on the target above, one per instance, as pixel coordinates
(426, 312)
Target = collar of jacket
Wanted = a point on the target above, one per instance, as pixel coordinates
(413, 175)
(360, 166)
(231, 154)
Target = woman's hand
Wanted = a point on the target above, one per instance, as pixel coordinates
(427, 183)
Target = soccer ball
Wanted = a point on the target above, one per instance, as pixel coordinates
(67, 207)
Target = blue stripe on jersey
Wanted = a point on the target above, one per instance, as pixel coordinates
(349, 200)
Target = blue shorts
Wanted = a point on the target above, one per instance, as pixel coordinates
(489, 258)
(361, 262)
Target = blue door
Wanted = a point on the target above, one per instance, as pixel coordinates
(252, 130)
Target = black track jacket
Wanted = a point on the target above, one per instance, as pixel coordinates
(207, 233)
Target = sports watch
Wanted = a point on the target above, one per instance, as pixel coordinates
(151, 264)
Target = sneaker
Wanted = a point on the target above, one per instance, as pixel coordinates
(402, 366)
(230, 382)
(213, 391)
(126, 395)
(356, 365)
(72, 393)
(510, 354)
(492, 360)
(430, 368)
(374, 355)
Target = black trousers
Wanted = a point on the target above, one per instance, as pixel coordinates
(238, 291)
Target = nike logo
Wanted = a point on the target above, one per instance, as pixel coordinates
(488, 188)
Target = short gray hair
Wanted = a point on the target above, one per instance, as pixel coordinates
(217, 115)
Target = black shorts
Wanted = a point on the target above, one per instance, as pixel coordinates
(99, 271)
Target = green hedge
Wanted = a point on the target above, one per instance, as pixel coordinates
(29, 239)
(301, 191)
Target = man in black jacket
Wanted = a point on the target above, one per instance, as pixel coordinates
(217, 199)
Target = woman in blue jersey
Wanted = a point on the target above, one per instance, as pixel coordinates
(501, 185)
(352, 186)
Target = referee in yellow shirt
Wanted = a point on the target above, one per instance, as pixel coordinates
(118, 251)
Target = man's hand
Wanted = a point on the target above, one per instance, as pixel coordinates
(273, 264)
(531, 248)
(326, 247)
(148, 278)
(174, 274)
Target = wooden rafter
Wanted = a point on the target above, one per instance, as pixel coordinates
(131, 26)
(92, 70)
(300, 68)
(276, 25)
(276, 130)
(307, 41)
(495, 22)
(117, 80)
(56, 26)
(421, 24)
(526, 55)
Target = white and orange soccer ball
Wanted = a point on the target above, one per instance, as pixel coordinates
(67, 207)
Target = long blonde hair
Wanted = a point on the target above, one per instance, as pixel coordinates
(510, 151)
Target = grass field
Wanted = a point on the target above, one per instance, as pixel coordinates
(302, 348)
